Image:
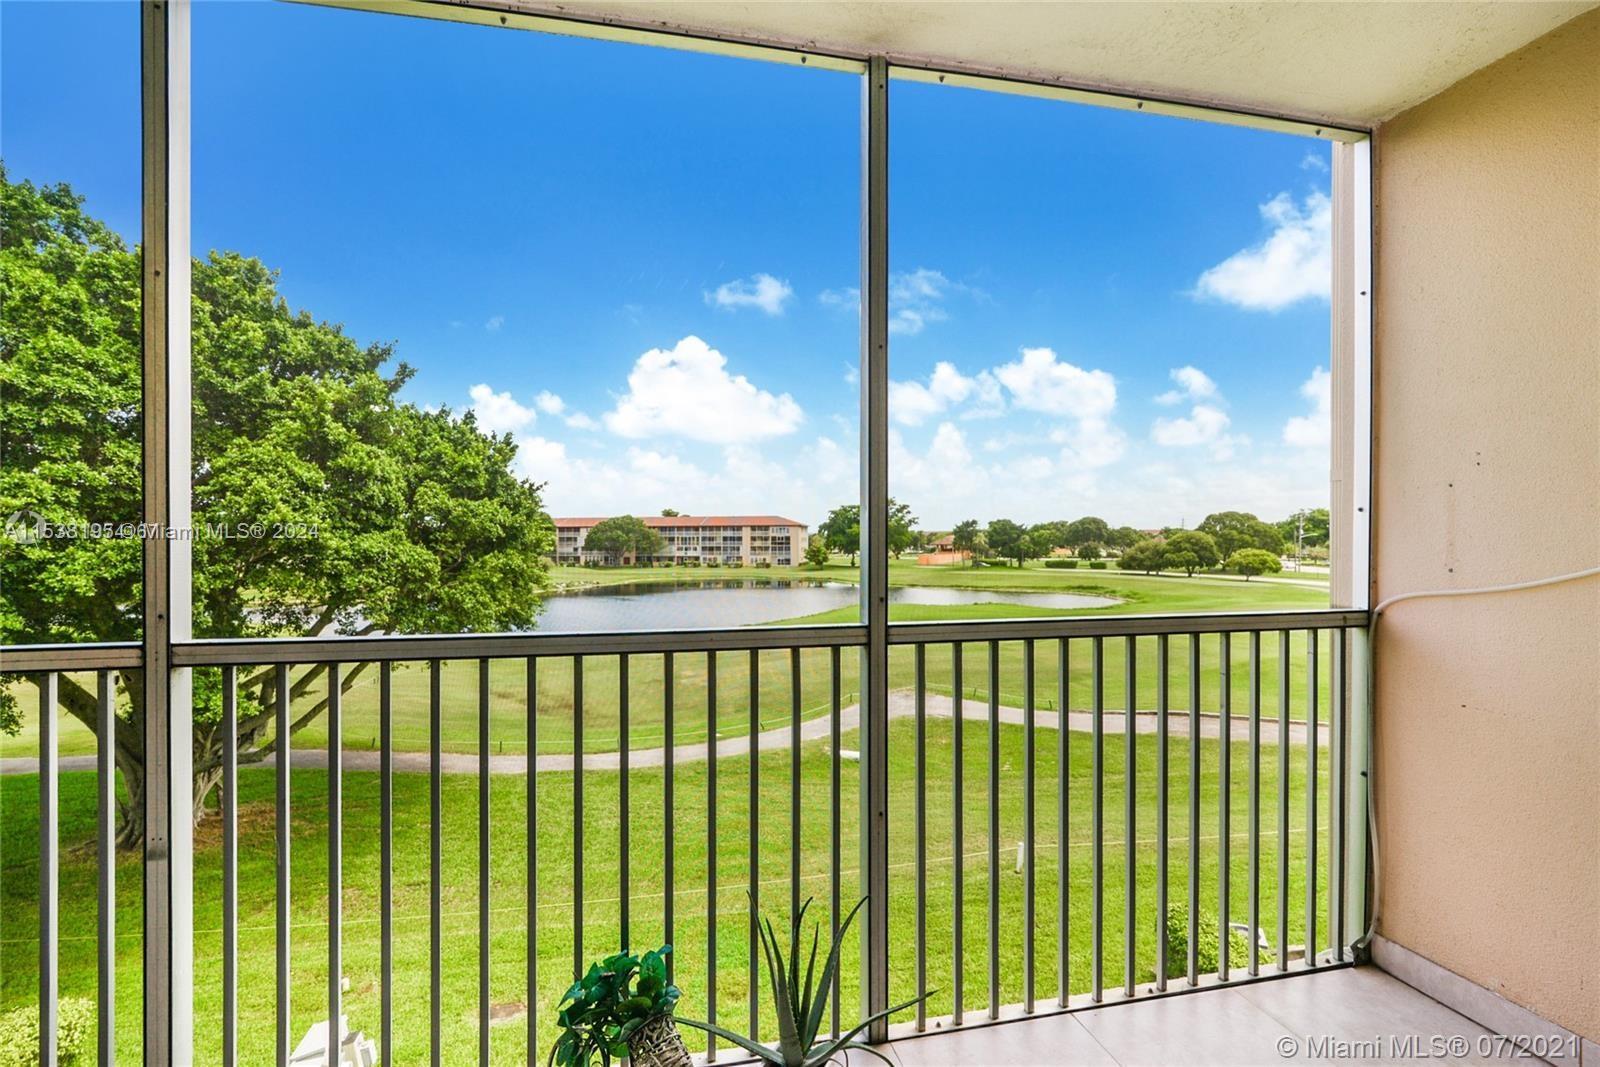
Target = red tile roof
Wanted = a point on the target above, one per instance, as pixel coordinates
(678, 521)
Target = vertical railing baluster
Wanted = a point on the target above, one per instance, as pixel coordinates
(1254, 934)
(483, 861)
(1192, 962)
(1063, 837)
(920, 666)
(958, 765)
(1312, 637)
(1097, 752)
(711, 852)
(835, 769)
(435, 866)
(230, 867)
(283, 757)
(623, 819)
(1283, 800)
(669, 806)
(754, 901)
(49, 867)
(386, 859)
(1224, 801)
(106, 853)
(1162, 709)
(994, 829)
(1130, 870)
(795, 711)
(577, 817)
(1336, 792)
(1028, 868)
(530, 900)
(335, 717)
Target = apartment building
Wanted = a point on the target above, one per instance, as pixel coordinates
(706, 540)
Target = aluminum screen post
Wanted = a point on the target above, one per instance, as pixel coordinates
(875, 543)
(1358, 722)
(168, 726)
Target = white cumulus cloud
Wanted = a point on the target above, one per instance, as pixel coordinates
(552, 404)
(1040, 382)
(913, 403)
(499, 412)
(687, 391)
(1313, 430)
(1203, 425)
(1294, 262)
(761, 291)
(1193, 384)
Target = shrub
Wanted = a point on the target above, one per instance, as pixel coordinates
(1253, 561)
(1097, 565)
(1149, 555)
(19, 1034)
(1068, 564)
(1206, 949)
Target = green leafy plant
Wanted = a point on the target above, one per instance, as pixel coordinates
(602, 1011)
(800, 1001)
(1207, 943)
(19, 1034)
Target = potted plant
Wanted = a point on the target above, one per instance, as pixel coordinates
(800, 1002)
(621, 1007)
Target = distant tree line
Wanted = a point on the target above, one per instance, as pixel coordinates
(1236, 541)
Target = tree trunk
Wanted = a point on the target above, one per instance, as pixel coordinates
(130, 823)
(128, 744)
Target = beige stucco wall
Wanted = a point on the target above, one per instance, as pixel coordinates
(1487, 461)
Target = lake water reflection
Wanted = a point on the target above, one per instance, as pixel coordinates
(718, 602)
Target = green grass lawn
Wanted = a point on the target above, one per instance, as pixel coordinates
(646, 682)
(600, 917)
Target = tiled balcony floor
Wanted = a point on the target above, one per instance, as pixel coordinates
(1237, 1026)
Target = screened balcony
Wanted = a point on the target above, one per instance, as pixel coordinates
(1331, 831)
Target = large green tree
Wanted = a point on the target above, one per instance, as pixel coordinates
(1308, 528)
(1149, 555)
(624, 537)
(1192, 550)
(1087, 529)
(902, 527)
(1008, 539)
(1233, 530)
(348, 510)
(841, 530)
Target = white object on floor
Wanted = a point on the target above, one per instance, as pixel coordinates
(355, 1050)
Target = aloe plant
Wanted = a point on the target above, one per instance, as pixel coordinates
(800, 1002)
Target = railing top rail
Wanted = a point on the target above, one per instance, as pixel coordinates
(124, 655)
(508, 645)
(88, 656)
(922, 633)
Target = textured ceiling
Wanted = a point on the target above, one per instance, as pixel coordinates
(1357, 63)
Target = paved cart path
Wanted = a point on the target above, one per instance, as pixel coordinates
(901, 705)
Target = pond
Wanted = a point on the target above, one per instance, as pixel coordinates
(718, 602)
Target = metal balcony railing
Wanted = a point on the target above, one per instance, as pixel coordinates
(1226, 738)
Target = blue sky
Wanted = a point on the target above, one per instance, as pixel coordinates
(642, 262)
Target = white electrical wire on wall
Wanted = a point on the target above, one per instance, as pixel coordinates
(1372, 646)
